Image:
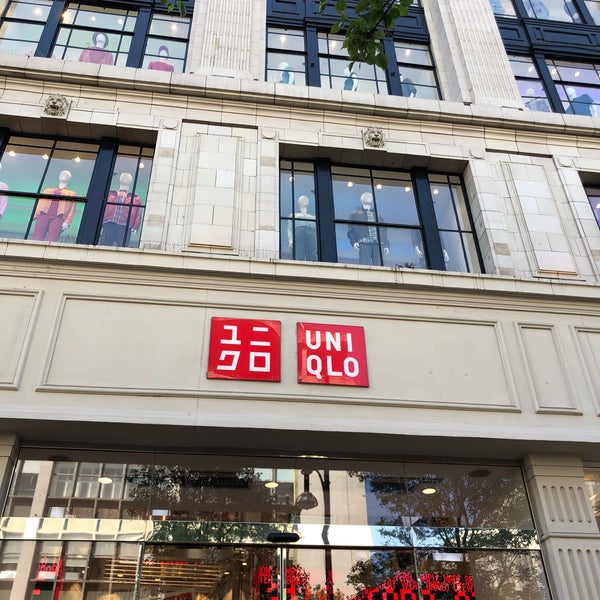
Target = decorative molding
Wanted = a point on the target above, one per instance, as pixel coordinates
(373, 137)
(56, 105)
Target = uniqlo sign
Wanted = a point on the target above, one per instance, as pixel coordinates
(247, 349)
(332, 354)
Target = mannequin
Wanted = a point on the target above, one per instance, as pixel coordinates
(52, 217)
(3, 197)
(161, 64)
(365, 238)
(122, 214)
(409, 89)
(579, 105)
(351, 81)
(98, 53)
(286, 75)
(304, 226)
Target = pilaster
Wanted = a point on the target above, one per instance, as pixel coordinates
(569, 533)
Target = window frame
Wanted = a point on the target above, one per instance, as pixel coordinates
(140, 36)
(96, 200)
(323, 202)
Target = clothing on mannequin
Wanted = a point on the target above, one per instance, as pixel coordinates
(3, 197)
(286, 75)
(52, 217)
(97, 53)
(366, 238)
(302, 232)
(580, 105)
(351, 81)
(161, 64)
(122, 214)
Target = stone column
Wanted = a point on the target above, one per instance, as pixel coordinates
(568, 531)
(470, 54)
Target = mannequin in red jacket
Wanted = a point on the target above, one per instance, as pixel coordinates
(52, 217)
(122, 214)
(98, 53)
(161, 64)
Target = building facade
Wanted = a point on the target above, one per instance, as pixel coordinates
(281, 326)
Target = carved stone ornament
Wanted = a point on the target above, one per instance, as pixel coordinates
(56, 106)
(373, 137)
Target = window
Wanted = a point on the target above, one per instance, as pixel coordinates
(530, 83)
(577, 85)
(593, 194)
(555, 66)
(366, 216)
(302, 51)
(592, 479)
(113, 35)
(503, 8)
(102, 188)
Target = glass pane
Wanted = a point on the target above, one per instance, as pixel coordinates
(161, 56)
(170, 26)
(348, 187)
(97, 17)
(594, 199)
(489, 575)
(125, 202)
(594, 7)
(454, 252)
(286, 68)
(414, 54)
(302, 230)
(444, 206)
(31, 11)
(19, 38)
(211, 573)
(503, 8)
(592, 481)
(556, 10)
(395, 201)
(405, 248)
(286, 40)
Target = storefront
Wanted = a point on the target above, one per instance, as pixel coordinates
(117, 525)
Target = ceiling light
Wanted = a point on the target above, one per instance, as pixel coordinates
(104, 479)
(436, 191)
(378, 186)
(428, 491)
(282, 39)
(350, 183)
(271, 484)
(577, 73)
(407, 188)
(77, 159)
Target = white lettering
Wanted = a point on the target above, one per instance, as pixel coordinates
(349, 341)
(317, 343)
(333, 341)
(314, 366)
(266, 366)
(330, 370)
(234, 339)
(235, 355)
(351, 367)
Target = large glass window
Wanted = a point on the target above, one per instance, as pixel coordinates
(530, 83)
(119, 34)
(593, 194)
(64, 191)
(555, 10)
(375, 217)
(578, 86)
(592, 480)
(186, 526)
(411, 71)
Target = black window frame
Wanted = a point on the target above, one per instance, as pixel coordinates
(140, 35)
(96, 200)
(544, 41)
(434, 254)
(302, 16)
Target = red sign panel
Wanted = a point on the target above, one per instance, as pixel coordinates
(332, 354)
(247, 349)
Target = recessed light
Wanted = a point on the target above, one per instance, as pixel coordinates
(428, 491)
(104, 480)
(271, 484)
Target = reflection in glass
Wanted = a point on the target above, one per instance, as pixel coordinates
(298, 210)
(503, 8)
(336, 73)
(592, 481)
(555, 10)
(416, 70)
(286, 58)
